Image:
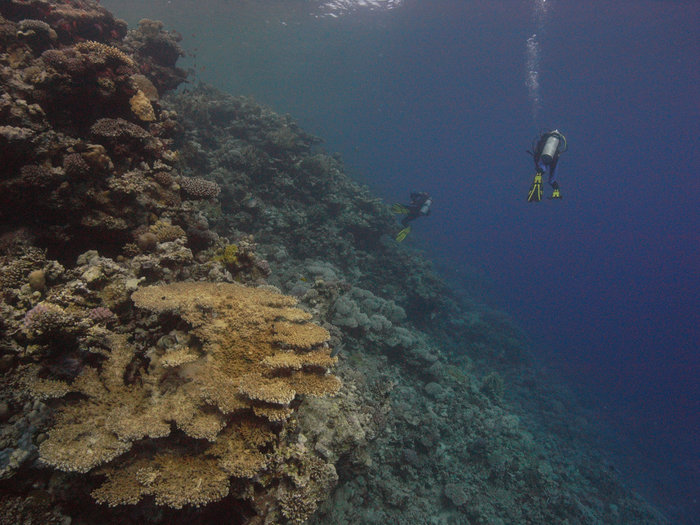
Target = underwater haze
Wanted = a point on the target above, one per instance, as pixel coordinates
(445, 96)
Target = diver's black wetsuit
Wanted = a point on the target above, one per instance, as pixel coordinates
(416, 208)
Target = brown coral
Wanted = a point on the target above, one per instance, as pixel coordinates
(165, 231)
(246, 330)
(163, 178)
(141, 107)
(223, 384)
(118, 129)
(198, 188)
(75, 166)
(105, 52)
(142, 83)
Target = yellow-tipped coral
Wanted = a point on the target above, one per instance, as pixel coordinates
(228, 255)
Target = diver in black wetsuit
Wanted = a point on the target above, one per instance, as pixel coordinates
(419, 207)
(546, 153)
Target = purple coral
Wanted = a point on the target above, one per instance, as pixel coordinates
(101, 315)
(198, 188)
(43, 317)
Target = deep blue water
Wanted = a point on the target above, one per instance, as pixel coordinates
(432, 95)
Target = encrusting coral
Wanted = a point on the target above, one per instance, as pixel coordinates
(142, 107)
(249, 353)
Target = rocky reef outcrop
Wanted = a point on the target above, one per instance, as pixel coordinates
(137, 374)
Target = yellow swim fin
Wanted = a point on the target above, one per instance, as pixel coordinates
(399, 208)
(535, 194)
(556, 194)
(402, 234)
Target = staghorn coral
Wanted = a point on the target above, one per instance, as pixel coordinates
(224, 382)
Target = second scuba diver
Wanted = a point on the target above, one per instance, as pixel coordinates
(419, 207)
(546, 156)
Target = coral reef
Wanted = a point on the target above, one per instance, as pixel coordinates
(142, 382)
(429, 427)
(77, 161)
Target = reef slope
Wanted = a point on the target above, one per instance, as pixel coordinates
(204, 318)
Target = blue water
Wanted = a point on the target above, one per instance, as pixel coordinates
(431, 96)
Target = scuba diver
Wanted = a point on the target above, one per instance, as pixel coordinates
(545, 153)
(419, 207)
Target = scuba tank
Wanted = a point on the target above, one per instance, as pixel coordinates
(553, 145)
(549, 150)
(426, 206)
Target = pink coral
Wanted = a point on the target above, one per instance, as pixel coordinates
(101, 315)
(44, 317)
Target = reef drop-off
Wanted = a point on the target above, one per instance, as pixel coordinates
(202, 316)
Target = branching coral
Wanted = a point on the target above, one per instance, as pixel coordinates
(247, 355)
(165, 231)
(106, 52)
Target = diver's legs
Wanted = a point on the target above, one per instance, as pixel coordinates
(555, 190)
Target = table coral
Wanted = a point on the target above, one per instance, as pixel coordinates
(247, 355)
